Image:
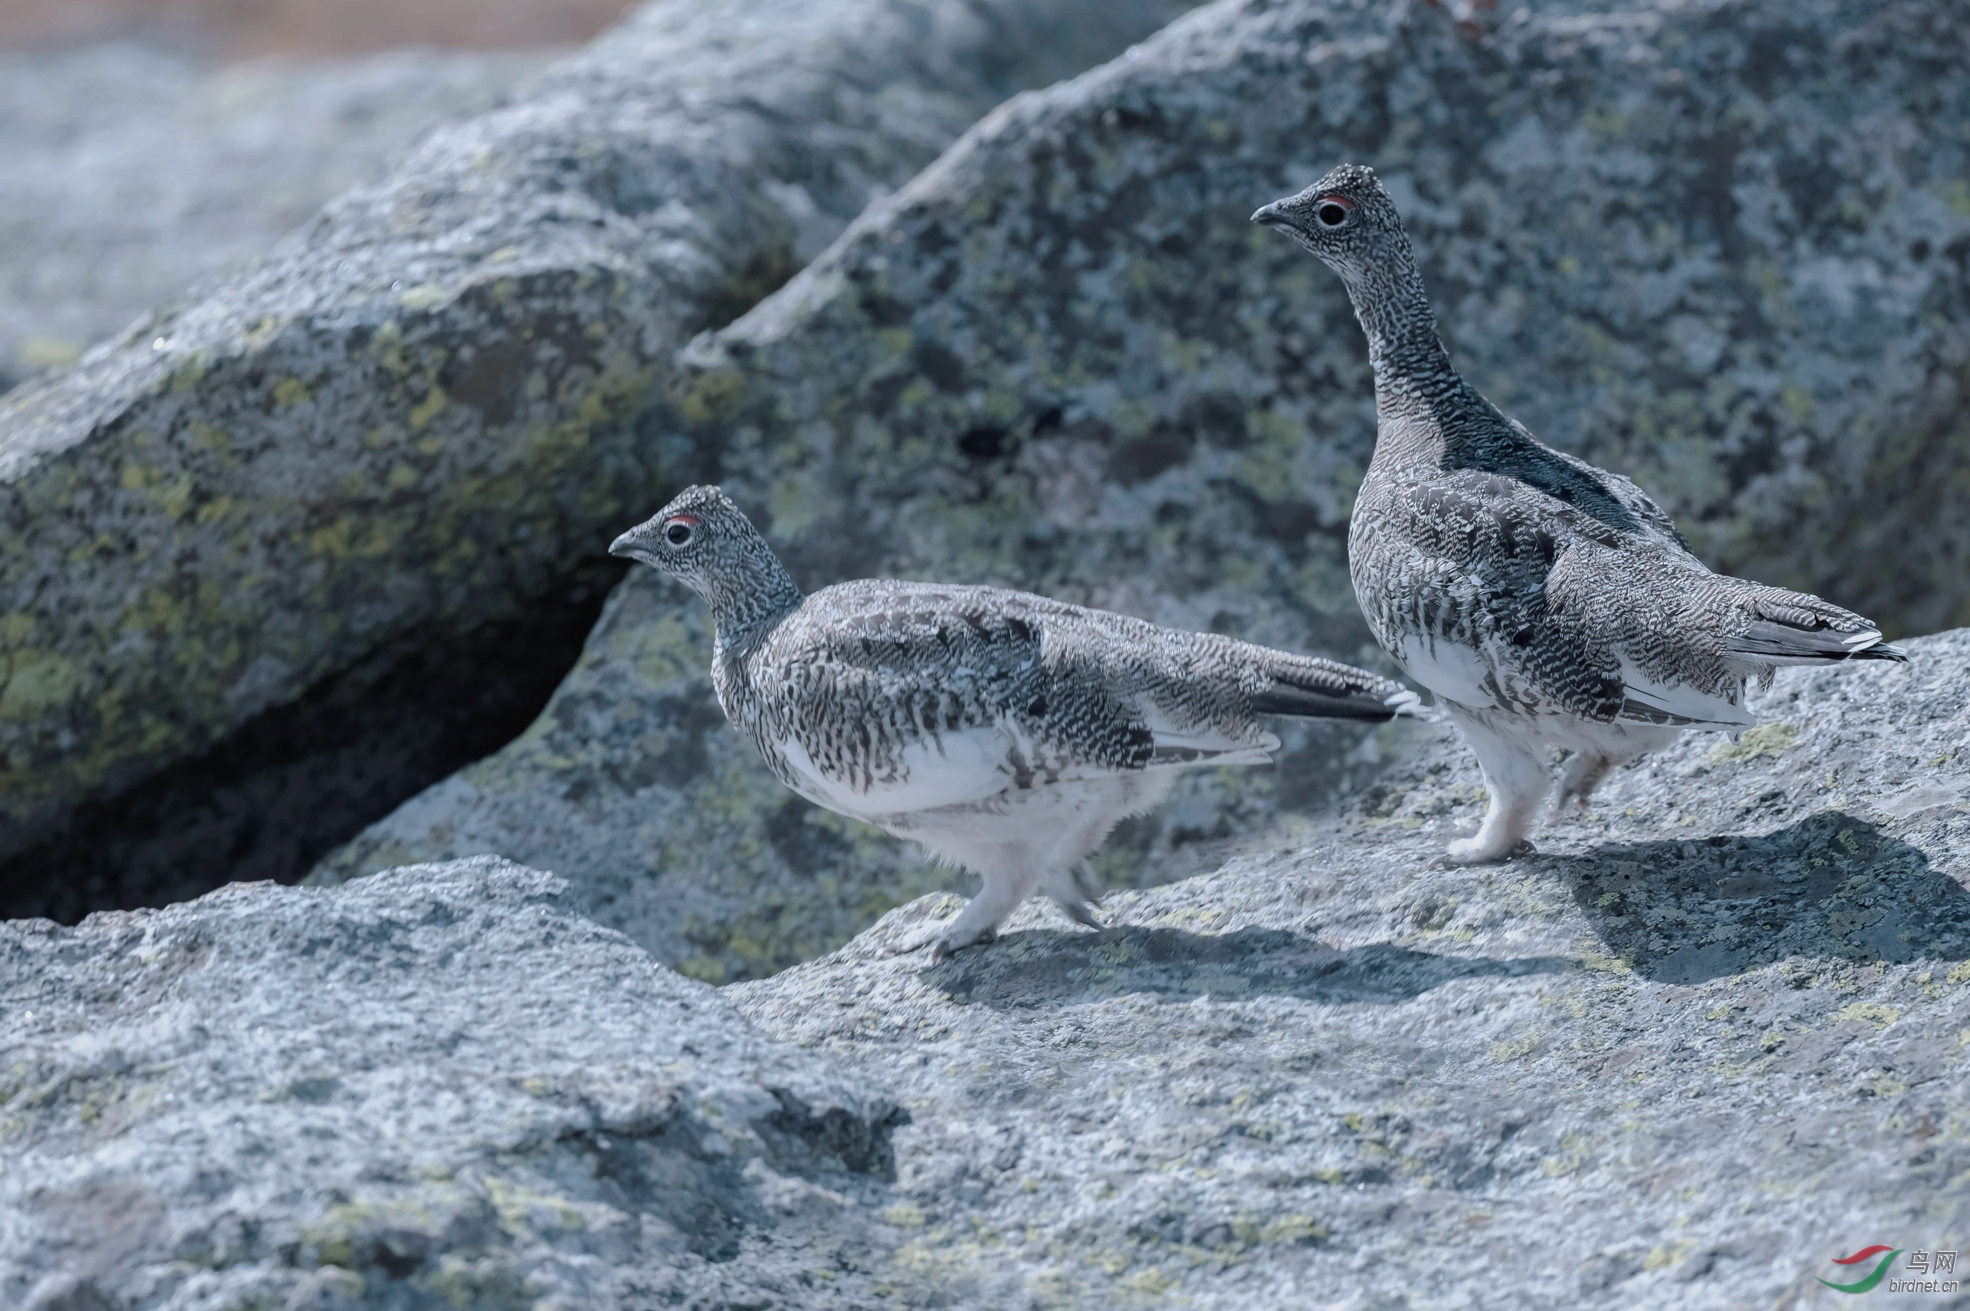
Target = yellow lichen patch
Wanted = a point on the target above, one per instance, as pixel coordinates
(663, 651)
(205, 437)
(331, 539)
(291, 391)
(1573, 1154)
(1763, 740)
(1661, 1257)
(522, 1209)
(704, 969)
(187, 375)
(217, 509)
(36, 682)
(1512, 1050)
(1293, 1229)
(429, 408)
(1959, 972)
(1152, 1282)
(388, 344)
(711, 395)
(424, 296)
(904, 1215)
(1869, 1012)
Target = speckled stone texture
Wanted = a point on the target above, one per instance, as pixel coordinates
(420, 414)
(441, 1088)
(130, 174)
(1717, 246)
(1711, 1036)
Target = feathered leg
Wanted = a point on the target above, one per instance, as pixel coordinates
(1009, 881)
(1070, 882)
(1073, 890)
(1515, 775)
(1616, 746)
(1578, 780)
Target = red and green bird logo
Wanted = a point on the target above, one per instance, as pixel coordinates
(1866, 1282)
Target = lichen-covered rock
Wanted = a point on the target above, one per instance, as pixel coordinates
(1708, 1039)
(439, 1088)
(1719, 246)
(129, 173)
(419, 415)
(1699, 1045)
(1711, 1036)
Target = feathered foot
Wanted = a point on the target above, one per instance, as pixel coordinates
(1074, 891)
(1516, 779)
(1583, 773)
(978, 923)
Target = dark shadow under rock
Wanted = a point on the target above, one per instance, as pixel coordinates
(1829, 886)
(299, 780)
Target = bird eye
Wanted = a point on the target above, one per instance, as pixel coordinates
(1331, 213)
(677, 533)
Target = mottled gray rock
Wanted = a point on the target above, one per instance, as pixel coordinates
(1705, 1041)
(439, 1088)
(419, 414)
(130, 173)
(1709, 1037)
(1717, 246)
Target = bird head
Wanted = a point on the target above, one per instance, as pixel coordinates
(705, 542)
(1345, 218)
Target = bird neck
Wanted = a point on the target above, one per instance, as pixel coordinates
(748, 603)
(1415, 384)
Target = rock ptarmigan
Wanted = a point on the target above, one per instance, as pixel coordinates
(1004, 732)
(1546, 603)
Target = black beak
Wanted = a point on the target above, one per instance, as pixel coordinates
(1269, 215)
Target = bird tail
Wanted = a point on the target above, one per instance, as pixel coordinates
(1307, 687)
(1792, 628)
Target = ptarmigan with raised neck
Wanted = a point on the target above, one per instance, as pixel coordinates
(1546, 603)
(1004, 732)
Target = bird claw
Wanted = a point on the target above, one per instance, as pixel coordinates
(1082, 914)
(1466, 851)
(942, 949)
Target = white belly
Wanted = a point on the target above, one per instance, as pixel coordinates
(1451, 670)
(953, 769)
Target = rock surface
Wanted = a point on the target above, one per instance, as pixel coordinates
(419, 415)
(442, 1088)
(130, 174)
(1711, 1036)
(1719, 246)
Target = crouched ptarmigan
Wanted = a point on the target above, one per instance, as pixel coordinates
(1004, 732)
(1545, 602)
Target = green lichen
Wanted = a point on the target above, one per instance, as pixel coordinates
(1763, 740)
(429, 408)
(37, 682)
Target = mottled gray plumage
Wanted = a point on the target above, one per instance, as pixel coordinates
(1545, 602)
(1005, 732)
